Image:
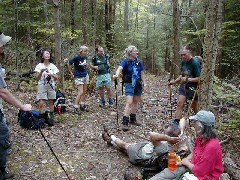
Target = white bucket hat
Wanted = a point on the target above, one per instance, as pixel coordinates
(4, 39)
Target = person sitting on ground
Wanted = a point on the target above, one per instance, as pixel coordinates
(205, 162)
(159, 144)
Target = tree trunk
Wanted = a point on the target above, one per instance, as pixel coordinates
(72, 16)
(126, 12)
(58, 49)
(210, 50)
(84, 22)
(176, 32)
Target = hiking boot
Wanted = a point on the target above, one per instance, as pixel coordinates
(50, 118)
(102, 102)
(133, 120)
(110, 101)
(8, 174)
(125, 123)
(84, 108)
(106, 137)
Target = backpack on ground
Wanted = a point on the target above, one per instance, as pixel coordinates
(157, 163)
(30, 120)
(60, 102)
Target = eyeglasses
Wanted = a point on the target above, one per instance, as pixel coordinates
(183, 54)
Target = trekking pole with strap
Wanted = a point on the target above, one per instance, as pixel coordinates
(115, 85)
(52, 150)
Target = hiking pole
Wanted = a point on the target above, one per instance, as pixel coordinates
(170, 97)
(195, 93)
(52, 150)
(115, 85)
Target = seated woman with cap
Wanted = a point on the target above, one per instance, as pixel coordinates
(205, 162)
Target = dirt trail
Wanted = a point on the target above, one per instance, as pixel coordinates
(76, 139)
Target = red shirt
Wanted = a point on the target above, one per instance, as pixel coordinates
(207, 159)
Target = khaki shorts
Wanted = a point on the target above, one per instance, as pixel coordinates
(167, 174)
(46, 92)
(83, 80)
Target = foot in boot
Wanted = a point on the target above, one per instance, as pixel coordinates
(106, 137)
(50, 119)
(133, 120)
(84, 108)
(102, 102)
(125, 123)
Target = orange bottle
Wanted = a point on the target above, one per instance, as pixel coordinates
(172, 161)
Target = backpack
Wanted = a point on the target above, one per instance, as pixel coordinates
(107, 64)
(60, 102)
(30, 120)
(157, 163)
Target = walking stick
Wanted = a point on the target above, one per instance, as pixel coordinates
(170, 97)
(51, 149)
(195, 93)
(116, 103)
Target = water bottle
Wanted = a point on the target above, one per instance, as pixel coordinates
(172, 161)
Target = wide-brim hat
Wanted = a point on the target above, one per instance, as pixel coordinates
(4, 39)
(205, 117)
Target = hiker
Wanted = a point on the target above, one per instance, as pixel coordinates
(6, 95)
(134, 80)
(46, 76)
(81, 77)
(189, 79)
(205, 162)
(159, 144)
(101, 65)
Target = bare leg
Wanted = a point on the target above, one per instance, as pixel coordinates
(51, 105)
(128, 107)
(101, 92)
(84, 91)
(80, 91)
(109, 92)
(180, 104)
(121, 144)
(42, 106)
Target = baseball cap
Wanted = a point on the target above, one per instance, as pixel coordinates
(205, 117)
(4, 39)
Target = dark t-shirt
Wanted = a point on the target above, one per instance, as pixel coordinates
(102, 63)
(191, 69)
(79, 69)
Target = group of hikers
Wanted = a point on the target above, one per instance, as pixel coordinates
(205, 162)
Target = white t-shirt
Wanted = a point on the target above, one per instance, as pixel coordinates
(50, 69)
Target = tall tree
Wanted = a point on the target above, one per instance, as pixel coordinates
(211, 45)
(176, 46)
(84, 22)
(126, 12)
(58, 40)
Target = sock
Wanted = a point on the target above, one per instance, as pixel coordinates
(76, 106)
(82, 103)
(113, 143)
(113, 138)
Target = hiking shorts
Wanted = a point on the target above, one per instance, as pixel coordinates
(133, 91)
(167, 174)
(104, 80)
(134, 152)
(46, 92)
(4, 141)
(188, 92)
(82, 80)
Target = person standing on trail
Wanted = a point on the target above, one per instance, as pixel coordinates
(134, 81)
(46, 76)
(6, 95)
(205, 162)
(81, 77)
(101, 65)
(189, 80)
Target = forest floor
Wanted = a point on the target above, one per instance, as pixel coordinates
(76, 139)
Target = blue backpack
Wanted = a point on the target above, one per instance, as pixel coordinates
(30, 120)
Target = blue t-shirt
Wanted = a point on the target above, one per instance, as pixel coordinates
(79, 69)
(129, 64)
(191, 69)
